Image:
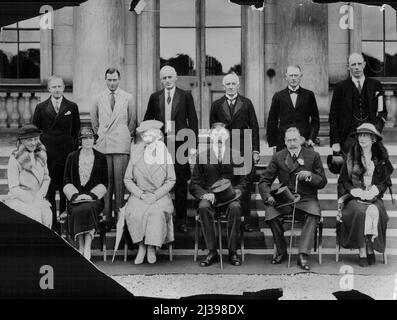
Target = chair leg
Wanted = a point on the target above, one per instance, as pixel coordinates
(104, 250)
(220, 241)
(384, 257)
(125, 250)
(315, 238)
(320, 243)
(337, 249)
(170, 251)
(242, 239)
(196, 238)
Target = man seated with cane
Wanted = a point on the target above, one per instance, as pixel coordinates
(299, 169)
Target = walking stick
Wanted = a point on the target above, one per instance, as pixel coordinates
(292, 226)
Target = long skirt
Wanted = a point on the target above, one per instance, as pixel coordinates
(351, 233)
(150, 223)
(39, 210)
(83, 217)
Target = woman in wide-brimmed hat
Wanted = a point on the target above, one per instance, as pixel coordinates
(85, 184)
(363, 180)
(149, 177)
(28, 178)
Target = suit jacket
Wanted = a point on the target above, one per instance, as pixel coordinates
(207, 171)
(115, 129)
(183, 112)
(243, 117)
(285, 169)
(341, 111)
(60, 130)
(283, 114)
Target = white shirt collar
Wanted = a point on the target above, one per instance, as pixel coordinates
(231, 98)
(115, 91)
(215, 149)
(172, 92)
(355, 80)
(295, 152)
(297, 87)
(53, 100)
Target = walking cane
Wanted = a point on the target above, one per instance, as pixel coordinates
(292, 226)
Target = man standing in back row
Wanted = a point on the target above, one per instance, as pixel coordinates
(175, 108)
(113, 118)
(356, 100)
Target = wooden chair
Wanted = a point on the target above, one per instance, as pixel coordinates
(220, 218)
(341, 203)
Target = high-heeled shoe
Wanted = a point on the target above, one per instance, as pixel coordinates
(302, 262)
(141, 254)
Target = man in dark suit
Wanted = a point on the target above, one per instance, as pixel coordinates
(355, 100)
(238, 113)
(217, 162)
(59, 120)
(292, 106)
(175, 108)
(289, 164)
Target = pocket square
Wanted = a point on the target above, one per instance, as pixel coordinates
(67, 113)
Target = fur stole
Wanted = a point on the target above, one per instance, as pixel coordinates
(21, 154)
(355, 166)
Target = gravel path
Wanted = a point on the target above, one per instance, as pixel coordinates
(295, 287)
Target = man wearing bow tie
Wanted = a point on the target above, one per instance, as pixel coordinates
(238, 113)
(294, 162)
(59, 119)
(175, 108)
(356, 100)
(292, 106)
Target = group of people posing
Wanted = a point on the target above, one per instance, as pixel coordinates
(91, 167)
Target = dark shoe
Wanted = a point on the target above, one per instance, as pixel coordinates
(209, 259)
(363, 262)
(279, 258)
(302, 262)
(247, 228)
(233, 258)
(183, 228)
(371, 258)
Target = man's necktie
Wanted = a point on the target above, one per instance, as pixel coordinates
(293, 91)
(219, 152)
(112, 100)
(231, 105)
(294, 157)
(56, 107)
(169, 98)
(359, 88)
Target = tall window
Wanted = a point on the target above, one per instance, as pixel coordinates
(379, 41)
(20, 50)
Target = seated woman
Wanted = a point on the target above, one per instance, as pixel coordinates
(149, 177)
(85, 182)
(28, 178)
(363, 180)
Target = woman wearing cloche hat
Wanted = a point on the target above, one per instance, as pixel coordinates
(363, 180)
(28, 178)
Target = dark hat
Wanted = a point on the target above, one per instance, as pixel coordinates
(224, 192)
(149, 124)
(86, 132)
(335, 162)
(368, 128)
(28, 131)
(284, 197)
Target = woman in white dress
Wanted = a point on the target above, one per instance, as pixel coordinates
(149, 177)
(28, 178)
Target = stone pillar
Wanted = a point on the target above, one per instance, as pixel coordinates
(98, 28)
(147, 55)
(302, 32)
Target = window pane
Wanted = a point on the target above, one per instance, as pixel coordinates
(178, 49)
(8, 52)
(8, 35)
(30, 23)
(222, 13)
(373, 53)
(29, 35)
(29, 60)
(177, 13)
(372, 22)
(223, 46)
(391, 59)
(391, 24)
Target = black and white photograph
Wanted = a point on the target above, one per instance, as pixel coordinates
(181, 151)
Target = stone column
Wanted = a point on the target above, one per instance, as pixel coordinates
(302, 32)
(98, 27)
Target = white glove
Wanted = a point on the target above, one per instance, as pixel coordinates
(356, 192)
